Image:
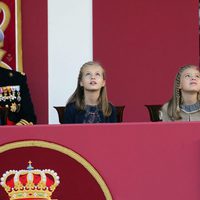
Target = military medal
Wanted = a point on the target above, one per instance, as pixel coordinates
(4, 93)
(9, 93)
(18, 93)
(13, 88)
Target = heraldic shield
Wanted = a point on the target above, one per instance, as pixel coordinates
(54, 172)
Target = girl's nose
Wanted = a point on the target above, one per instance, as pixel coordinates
(92, 76)
(193, 78)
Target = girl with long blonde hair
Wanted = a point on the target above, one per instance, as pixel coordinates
(185, 102)
(89, 102)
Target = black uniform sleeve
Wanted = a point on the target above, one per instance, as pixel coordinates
(26, 110)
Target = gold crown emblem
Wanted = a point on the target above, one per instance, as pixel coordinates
(30, 184)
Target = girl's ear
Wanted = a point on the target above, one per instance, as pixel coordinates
(81, 83)
(104, 83)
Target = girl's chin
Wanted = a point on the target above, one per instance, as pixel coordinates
(192, 91)
(93, 89)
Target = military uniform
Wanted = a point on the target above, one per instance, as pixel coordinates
(15, 101)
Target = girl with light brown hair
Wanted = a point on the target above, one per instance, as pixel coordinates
(89, 102)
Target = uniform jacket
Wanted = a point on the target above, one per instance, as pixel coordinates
(15, 96)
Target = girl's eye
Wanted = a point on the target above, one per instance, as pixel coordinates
(87, 74)
(187, 76)
(98, 74)
(198, 76)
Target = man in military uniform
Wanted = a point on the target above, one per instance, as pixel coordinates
(15, 102)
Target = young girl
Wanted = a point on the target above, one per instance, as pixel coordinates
(185, 103)
(89, 102)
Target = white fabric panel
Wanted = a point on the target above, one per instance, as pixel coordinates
(69, 46)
